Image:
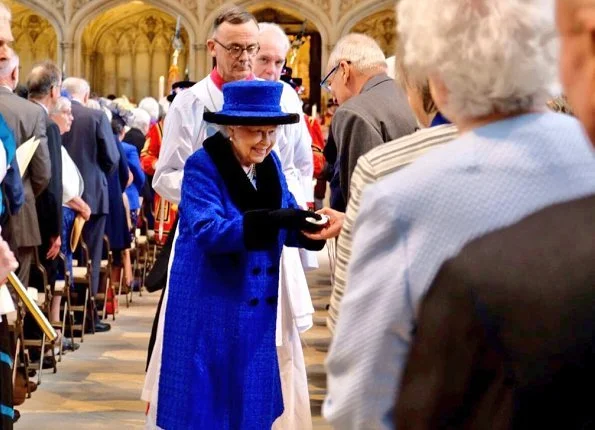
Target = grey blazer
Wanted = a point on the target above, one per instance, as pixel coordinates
(27, 120)
(379, 114)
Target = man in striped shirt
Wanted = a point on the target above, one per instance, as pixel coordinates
(376, 164)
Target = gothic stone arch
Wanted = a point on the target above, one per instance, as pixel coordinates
(92, 9)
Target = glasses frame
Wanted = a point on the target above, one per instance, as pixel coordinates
(324, 84)
(245, 48)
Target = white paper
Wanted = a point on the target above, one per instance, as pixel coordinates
(25, 153)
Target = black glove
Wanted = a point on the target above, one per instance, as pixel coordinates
(294, 219)
(261, 227)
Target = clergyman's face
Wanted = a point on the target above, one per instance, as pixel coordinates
(271, 57)
(229, 36)
(577, 60)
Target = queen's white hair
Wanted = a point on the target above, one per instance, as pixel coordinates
(493, 56)
(362, 51)
(140, 119)
(76, 87)
(269, 27)
(151, 106)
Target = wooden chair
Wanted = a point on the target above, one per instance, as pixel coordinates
(38, 278)
(62, 289)
(106, 289)
(81, 276)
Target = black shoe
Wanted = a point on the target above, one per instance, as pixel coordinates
(100, 328)
(16, 416)
(69, 345)
(48, 363)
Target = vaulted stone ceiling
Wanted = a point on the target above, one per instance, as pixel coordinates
(80, 34)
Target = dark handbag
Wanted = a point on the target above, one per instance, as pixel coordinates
(157, 277)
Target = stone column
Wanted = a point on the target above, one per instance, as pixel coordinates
(133, 73)
(201, 55)
(67, 58)
(117, 72)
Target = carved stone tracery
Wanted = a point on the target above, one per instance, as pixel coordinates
(382, 27)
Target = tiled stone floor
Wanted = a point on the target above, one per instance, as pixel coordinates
(98, 387)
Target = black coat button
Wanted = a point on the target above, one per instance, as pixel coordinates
(272, 270)
(256, 271)
(272, 300)
(253, 302)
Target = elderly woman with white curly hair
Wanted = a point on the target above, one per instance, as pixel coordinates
(490, 64)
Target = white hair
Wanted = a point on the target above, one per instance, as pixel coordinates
(93, 104)
(140, 119)
(151, 106)
(76, 87)
(362, 51)
(493, 56)
(61, 104)
(266, 27)
(5, 13)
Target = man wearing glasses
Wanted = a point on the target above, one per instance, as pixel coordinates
(234, 46)
(372, 108)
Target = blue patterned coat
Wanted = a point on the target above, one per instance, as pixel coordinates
(219, 366)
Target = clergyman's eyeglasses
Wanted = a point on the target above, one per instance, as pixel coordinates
(236, 51)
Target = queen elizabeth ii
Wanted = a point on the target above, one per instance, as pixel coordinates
(219, 366)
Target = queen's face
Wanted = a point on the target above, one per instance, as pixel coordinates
(251, 144)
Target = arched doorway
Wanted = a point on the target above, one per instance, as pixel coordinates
(305, 54)
(35, 38)
(382, 26)
(126, 50)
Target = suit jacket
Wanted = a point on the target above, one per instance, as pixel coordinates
(27, 120)
(49, 202)
(380, 113)
(90, 144)
(505, 335)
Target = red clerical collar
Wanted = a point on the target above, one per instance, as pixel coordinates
(218, 80)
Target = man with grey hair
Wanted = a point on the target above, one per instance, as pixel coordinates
(512, 158)
(90, 143)
(372, 109)
(43, 85)
(27, 120)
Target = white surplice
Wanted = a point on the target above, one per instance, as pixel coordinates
(184, 133)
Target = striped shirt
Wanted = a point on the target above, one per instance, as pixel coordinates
(371, 167)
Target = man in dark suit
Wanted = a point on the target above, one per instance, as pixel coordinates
(90, 143)
(506, 334)
(27, 120)
(372, 110)
(43, 85)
